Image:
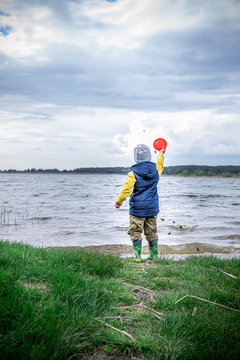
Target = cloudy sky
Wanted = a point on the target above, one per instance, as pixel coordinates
(83, 81)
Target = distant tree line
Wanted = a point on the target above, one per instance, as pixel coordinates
(88, 170)
(182, 170)
(203, 170)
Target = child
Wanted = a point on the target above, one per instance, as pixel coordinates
(141, 184)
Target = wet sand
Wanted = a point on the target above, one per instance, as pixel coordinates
(173, 251)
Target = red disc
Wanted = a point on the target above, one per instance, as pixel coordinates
(159, 144)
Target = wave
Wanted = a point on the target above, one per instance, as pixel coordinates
(190, 195)
(213, 196)
(234, 222)
(120, 228)
(183, 228)
(41, 218)
(229, 237)
(39, 194)
(209, 196)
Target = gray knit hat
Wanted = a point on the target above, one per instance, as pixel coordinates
(142, 153)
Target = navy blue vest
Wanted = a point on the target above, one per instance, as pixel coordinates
(144, 199)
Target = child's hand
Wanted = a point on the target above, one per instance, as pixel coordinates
(117, 205)
(163, 150)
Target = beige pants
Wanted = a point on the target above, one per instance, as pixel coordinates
(148, 225)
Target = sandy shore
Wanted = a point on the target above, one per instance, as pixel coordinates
(176, 250)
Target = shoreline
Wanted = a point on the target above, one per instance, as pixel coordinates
(175, 251)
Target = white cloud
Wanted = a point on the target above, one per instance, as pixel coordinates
(30, 32)
(131, 21)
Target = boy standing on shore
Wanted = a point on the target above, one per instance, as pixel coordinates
(141, 184)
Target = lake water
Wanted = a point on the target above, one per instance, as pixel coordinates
(78, 210)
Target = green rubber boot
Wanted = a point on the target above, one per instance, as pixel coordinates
(153, 249)
(137, 247)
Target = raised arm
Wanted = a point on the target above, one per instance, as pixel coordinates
(160, 161)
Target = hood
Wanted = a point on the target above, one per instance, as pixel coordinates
(145, 169)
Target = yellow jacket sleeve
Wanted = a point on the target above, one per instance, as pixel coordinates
(159, 163)
(127, 188)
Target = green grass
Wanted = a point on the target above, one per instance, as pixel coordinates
(55, 304)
